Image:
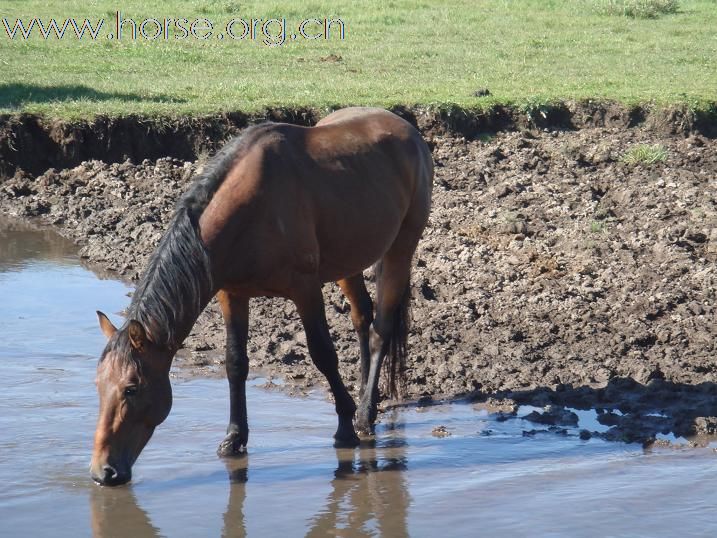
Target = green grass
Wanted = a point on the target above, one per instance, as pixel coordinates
(643, 9)
(645, 154)
(526, 52)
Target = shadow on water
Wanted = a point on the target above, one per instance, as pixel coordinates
(19, 93)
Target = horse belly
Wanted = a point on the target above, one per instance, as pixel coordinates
(348, 246)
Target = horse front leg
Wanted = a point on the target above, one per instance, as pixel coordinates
(235, 310)
(310, 303)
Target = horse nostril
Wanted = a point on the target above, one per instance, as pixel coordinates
(110, 473)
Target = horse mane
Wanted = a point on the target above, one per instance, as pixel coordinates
(177, 283)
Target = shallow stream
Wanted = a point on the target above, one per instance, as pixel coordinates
(486, 477)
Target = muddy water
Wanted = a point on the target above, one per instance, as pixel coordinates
(486, 477)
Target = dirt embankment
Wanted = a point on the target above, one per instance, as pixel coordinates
(33, 144)
(550, 273)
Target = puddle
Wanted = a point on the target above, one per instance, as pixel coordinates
(588, 420)
(480, 476)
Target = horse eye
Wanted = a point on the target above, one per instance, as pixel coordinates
(130, 391)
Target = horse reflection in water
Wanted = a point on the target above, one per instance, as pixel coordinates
(375, 490)
(369, 495)
(116, 513)
(234, 519)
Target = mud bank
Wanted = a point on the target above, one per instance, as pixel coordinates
(33, 144)
(550, 273)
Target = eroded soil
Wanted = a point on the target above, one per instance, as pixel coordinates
(550, 273)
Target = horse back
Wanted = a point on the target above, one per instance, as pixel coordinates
(329, 199)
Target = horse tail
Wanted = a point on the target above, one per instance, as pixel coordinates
(395, 367)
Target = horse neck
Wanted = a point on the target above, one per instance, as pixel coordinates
(171, 327)
(176, 286)
(184, 326)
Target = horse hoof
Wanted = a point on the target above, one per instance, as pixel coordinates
(231, 446)
(364, 427)
(349, 441)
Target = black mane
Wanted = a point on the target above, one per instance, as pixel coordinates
(177, 283)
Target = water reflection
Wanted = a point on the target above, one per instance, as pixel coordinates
(368, 496)
(234, 521)
(115, 513)
(20, 243)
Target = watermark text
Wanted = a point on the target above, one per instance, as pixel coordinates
(271, 32)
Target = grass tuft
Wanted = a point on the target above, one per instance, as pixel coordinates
(536, 109)
(638, 9)
(645, 154)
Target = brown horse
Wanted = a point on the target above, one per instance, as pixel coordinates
(277, 212)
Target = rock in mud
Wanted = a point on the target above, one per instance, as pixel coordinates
(440, 431)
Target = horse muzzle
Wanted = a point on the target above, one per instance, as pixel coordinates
(111, 475)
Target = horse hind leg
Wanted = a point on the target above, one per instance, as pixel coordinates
(310, 303)
(354, 288)
(389, 330)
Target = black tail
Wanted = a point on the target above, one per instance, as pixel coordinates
(395, 363)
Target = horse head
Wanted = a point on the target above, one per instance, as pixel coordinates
(135, 397)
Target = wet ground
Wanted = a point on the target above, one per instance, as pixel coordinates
(471, 469)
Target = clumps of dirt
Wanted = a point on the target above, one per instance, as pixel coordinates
(501, 407)
(553, 416)
(440, 431)
(552, 429)
(550, 271)
(630, 411)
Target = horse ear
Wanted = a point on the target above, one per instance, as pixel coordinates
(106, 325)
(137, 334)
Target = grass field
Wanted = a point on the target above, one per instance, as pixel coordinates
(394, 52)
